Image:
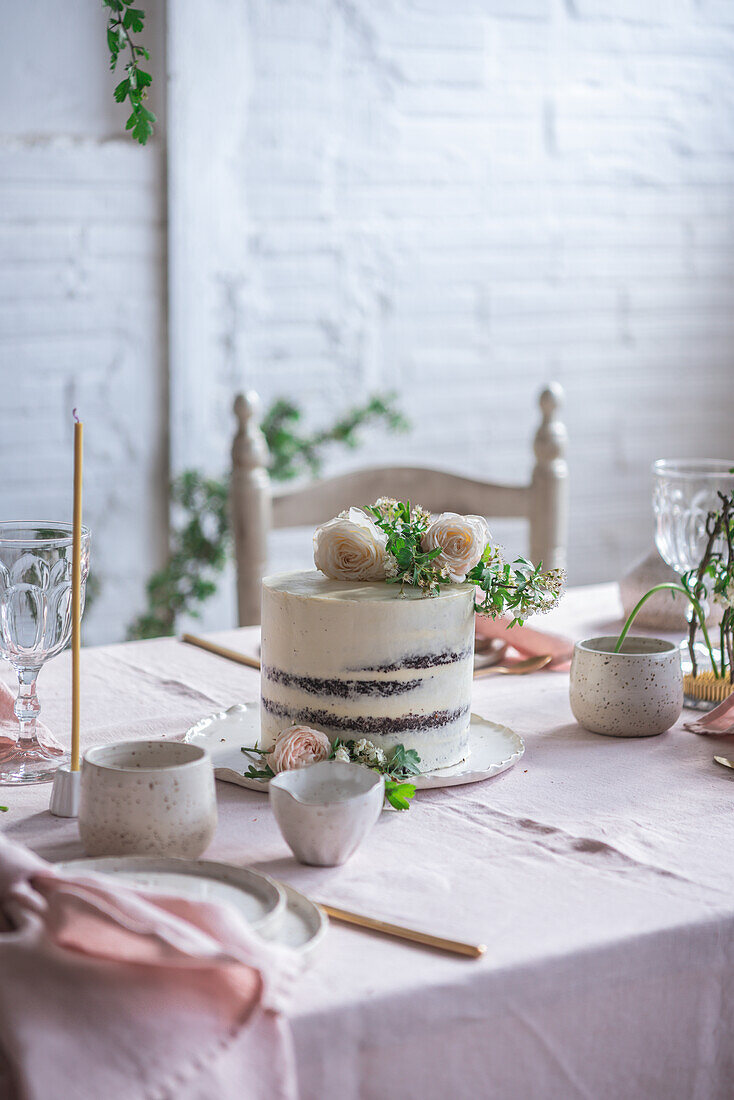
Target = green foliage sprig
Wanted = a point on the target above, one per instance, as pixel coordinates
(518, 589)
(294, 453)
(265, 772)
(198, 553)
(123, 21)
(714, 577)
(398, 765)
(199, 545)
(405, 528)
(673, 588)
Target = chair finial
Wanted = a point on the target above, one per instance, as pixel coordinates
(249, 449)
(551, 437)
(246, 406)
(549, 487)
(550, 399)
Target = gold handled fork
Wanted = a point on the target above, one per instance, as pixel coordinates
(221, 651)
(520, 668)
(454, 947)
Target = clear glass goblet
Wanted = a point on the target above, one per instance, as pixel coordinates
(684, 492)
(35, 625)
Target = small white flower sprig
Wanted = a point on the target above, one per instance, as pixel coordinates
(392, 541)
(301, 746)
(398, 765)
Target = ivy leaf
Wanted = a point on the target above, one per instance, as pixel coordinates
(142, 128)
(399, 794)
(133, 20)
(405, 760)
(124, 20)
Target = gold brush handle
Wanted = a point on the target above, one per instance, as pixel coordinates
(455, 947)
(221, 651)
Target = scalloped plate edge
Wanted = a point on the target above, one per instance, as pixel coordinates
(456, 775)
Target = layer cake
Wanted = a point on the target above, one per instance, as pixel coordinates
(356, 659)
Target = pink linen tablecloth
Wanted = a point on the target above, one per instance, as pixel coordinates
(596, 870)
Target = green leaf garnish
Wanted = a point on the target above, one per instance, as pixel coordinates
(252, 772)
(404, 762)
(399, 794)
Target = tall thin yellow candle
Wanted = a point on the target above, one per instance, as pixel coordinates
(76, 584)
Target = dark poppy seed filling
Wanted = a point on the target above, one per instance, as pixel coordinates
(421, 660)
(363, 725)
(342, 689)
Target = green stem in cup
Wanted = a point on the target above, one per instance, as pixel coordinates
(696, 607)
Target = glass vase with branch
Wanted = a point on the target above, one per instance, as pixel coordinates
(712, 578)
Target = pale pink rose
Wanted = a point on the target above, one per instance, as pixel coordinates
(351, 548)
(297, 747)
(461, 540)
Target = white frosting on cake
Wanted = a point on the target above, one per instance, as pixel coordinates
(359, 660)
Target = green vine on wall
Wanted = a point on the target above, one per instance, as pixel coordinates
(200, 538)
(123, 22)
(293, 454)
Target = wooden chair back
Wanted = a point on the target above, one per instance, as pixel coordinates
(257, 506)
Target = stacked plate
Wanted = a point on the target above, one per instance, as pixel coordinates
(273, 909)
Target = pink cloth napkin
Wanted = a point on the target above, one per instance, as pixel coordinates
(719, 721)
(9, 723)
(526, 641)
(107, 992)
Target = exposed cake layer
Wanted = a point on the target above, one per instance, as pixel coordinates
(359, 660)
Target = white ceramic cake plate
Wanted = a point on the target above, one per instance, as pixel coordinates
(276, 911)
(492, 749)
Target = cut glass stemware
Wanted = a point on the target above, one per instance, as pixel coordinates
(35, 625)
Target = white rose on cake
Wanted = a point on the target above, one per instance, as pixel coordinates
(351, 548)
(461, 540)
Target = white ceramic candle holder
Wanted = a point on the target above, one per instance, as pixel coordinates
(65, 792)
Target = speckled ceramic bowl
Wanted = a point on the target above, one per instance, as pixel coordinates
(147, 798)
(635, 693)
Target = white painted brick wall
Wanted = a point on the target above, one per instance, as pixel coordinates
(462, 199)
(457, 199)
(80, 324)
(81, 299)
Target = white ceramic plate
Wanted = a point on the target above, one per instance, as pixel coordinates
(304, 923)
(492, 749)
(275, 910)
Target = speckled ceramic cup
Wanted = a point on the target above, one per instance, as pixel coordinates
(147, 798)
(635, 693)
